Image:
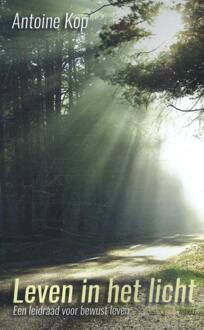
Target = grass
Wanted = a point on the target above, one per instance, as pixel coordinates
(188, 266)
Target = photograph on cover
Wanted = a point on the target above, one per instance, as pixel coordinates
(101, 164)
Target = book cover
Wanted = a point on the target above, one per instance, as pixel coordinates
(101, 164)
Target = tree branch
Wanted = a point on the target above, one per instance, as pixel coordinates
(102, 7)
(185, 110)
(148, 51)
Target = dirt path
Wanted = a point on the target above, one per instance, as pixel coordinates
(125, 263)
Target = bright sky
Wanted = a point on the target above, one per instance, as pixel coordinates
(164, 30)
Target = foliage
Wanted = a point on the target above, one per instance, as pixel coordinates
(188, 266)
(129, 27)
(179, 71)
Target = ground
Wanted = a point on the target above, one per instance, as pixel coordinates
(167, 258)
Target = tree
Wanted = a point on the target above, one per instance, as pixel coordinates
(130, 26)
(42, 75)
(178, 72)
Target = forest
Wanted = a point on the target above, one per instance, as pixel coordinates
(80, 117)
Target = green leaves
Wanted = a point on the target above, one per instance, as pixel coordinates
(130, 26)
(180, 70)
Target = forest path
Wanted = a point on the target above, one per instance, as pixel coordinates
(128, 262)
(121, 263)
